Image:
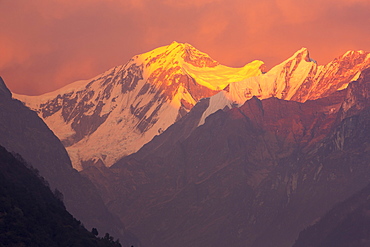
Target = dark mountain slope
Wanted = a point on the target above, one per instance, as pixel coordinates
(31, 215)
(23, 132)
(346, 225)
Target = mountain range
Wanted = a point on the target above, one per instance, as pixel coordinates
(128, 105)
(140, 99)
(255, 175)
(188, 152)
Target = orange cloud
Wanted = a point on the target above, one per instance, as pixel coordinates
(189, 3)
(211, 26)
(46, 44)
(10, 52)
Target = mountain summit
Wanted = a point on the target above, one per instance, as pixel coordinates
(299, 78)
(114, 114)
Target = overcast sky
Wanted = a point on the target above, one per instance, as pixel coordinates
(46, 44)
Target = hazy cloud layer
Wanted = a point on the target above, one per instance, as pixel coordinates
(45, 44)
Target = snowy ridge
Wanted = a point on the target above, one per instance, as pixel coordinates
(298, 78)
(114, 114)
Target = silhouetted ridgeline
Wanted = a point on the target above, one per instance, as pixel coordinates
(32, 215)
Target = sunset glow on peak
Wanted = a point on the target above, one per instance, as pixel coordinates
(197, 64)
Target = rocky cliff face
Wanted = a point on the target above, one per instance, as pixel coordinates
(116, 113)
(24, 133)
(255, 175)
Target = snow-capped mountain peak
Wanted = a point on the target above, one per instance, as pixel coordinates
(302, 53)
(115, 113)
(298, 78)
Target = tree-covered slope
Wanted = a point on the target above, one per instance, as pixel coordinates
(32, 215)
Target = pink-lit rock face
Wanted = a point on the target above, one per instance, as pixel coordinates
(299, 78)
(254, 175)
